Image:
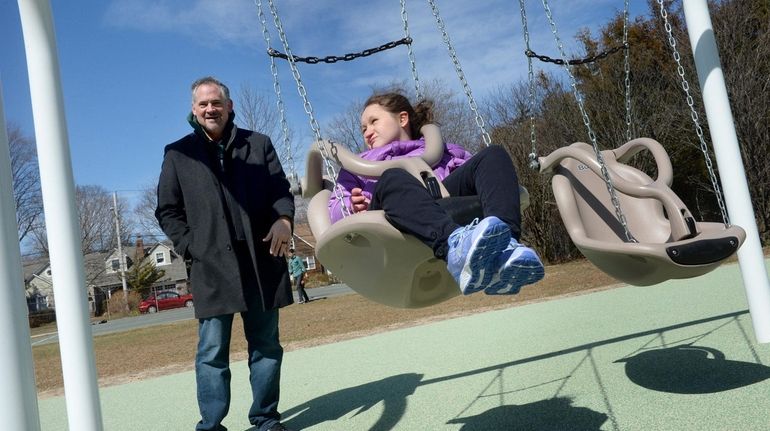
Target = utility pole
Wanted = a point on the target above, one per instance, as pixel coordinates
(121, 258)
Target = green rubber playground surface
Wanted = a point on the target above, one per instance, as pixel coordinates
(677, 356)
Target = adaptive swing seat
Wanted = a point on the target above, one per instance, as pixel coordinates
(671, 244)
(364, 249)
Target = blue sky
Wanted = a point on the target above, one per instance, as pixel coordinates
(126, 65)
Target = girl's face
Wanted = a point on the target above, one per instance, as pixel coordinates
(381, 127)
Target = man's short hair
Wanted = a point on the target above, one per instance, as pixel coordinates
(210, 80)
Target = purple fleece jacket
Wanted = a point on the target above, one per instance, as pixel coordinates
(454, 156)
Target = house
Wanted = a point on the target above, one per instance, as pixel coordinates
(102, 274)
(304, 246)
(38, 285)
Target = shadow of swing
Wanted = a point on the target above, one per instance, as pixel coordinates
(683, 369)
(555, 414)
(545, 415)
(688, 369)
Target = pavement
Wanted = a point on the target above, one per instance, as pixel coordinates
(169, 316)
(676, 356)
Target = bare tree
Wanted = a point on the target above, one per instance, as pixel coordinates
(260, 113)
(256, 111)
(144, 213)
(742, 29)
(97, 222)
(26, 180)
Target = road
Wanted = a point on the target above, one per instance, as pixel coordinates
(170, 316)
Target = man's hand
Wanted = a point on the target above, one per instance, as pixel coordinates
(358, 200)
(279, 236)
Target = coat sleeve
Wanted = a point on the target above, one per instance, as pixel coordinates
(170, 211)
(279, 192)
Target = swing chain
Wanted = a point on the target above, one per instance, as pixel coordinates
(693, 113)
(627, 72)
(295, 72)
(329, 59)
(592, 136)
(279, 95)
(577, 61)
(460, 74)
(533, 162)
(412, 61)
(330, 169)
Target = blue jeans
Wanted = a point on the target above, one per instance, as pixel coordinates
(212, 370)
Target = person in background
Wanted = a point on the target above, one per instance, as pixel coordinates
(484, 255)
(297, 271)
(224, 201)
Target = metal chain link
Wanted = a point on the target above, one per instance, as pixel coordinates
(329, 59)
(460, 74)
(331, 170)
(532, 162)
(573, 82)
(412, 62)
(577, 61)
(627, 72)
(693, 113)
(278, 94)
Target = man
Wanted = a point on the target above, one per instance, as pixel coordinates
(297, 270)
(224, 200)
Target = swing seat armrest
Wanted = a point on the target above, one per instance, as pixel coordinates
(434, 146)
(374, 169)
(676, 209)
(313, 181)
(631, 148)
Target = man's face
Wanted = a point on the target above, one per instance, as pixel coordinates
(211, 109)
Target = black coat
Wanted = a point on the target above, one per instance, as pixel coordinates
(192, 211)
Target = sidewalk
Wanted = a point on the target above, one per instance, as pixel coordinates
(677, 356)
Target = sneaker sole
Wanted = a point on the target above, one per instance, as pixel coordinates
(527, 270)
(480, 266)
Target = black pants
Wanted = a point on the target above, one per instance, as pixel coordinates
(411, 209)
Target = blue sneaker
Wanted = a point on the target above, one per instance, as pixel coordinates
(473, 251)
(519, 266)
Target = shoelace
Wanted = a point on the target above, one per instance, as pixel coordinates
(465, 230)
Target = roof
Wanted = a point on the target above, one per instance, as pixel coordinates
(304, 241)
(95, 266)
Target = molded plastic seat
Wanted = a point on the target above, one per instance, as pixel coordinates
(671, 244)
(364, 250)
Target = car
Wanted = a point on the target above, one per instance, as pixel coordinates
(165, 301)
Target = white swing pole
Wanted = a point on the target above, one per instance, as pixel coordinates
(18, 396)
(57, 183)
(728, 155)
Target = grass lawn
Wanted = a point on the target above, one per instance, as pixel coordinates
(164, 349)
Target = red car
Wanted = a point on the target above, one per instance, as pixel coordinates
(165, 301)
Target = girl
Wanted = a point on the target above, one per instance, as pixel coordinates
(483, 255)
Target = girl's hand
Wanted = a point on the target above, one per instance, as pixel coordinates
(358, 200)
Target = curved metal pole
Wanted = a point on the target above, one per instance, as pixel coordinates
(18, 396)
(57, 183)
(728, 155)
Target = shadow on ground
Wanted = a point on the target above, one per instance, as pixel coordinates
(689, 369)
(555, 414)
(391, 391)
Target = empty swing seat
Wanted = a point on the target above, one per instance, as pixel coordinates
(364, 250)
(670, 243)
